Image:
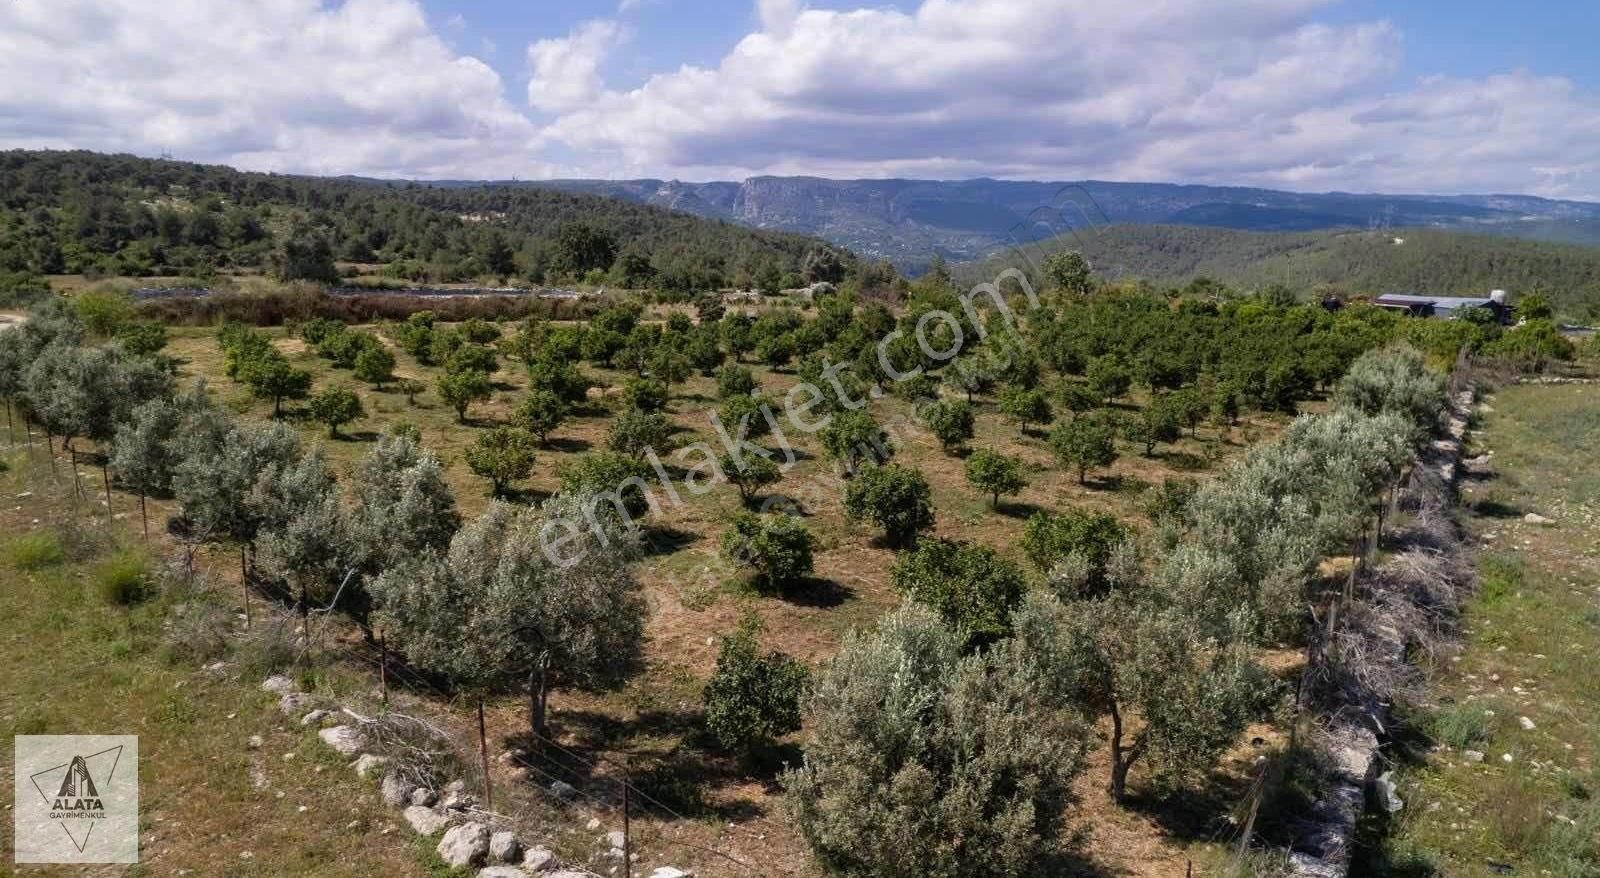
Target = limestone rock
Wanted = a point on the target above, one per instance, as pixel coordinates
(504, 847)
(1388, 798)
(465, 845)
(425, 821)
(279, 684)
(367, 763)
(501, 872)
(396, 790)
(423, 796)
(1536, 518)
(539, 859)
(670, 872)
(1472, 755)
(295, 702)
(315, 717)
(344, 739)
(564, 791)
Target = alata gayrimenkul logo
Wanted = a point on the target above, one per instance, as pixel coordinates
(77, 799)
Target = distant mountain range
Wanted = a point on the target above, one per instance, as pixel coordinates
(909, 221)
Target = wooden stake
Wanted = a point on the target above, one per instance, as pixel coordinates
(244, 584)
(105, 476)
(383, 668)
(483, 757)
(627, 830)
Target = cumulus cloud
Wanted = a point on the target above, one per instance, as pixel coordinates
(1260, 92)
(364, 86)
(1240, 91)
(566, 70)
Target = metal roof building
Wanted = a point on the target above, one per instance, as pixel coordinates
(1442, 306)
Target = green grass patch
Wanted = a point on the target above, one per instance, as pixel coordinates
(1462, 726)
(37, 551)
(124, 579)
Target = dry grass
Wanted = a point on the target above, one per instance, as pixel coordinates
(694, 597)
(1531, 633)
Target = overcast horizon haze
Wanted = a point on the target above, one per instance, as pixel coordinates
(1305, 95)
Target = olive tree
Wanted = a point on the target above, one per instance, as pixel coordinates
(915, 746)
(499, 609)
(1129, 655)
(144, 451)
(302, 542)
(218, 465)
(402, 509)
(1394, 380)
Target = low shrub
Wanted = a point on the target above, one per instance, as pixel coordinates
(1461, 726)
(37, 551)
(123, 579)
(196, 633)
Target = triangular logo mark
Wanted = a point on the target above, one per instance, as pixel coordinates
(77, 789)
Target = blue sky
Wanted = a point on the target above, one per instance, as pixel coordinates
(1425, 96)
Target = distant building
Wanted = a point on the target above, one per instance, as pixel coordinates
(1445, 307)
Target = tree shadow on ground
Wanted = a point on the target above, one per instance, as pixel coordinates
(659, 540)
(357, 436)
(815, 592)
(1018, 509)
(568, 444)
(1488, 508)
(1184, 461)
(1200, 815)
(678, 782)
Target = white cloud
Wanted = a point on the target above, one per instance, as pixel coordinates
(1259, 92)
(1246, 91)
(360, 87)
(566, 70)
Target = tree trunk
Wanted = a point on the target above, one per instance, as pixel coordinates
(72, 461)
(538, 697)
(1119, 762)
(144, 517)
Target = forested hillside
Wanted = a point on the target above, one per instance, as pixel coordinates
(83, 212)
(1345, 262)
(911, 221)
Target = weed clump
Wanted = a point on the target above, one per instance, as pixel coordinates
(37, 551)
(123, 579)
